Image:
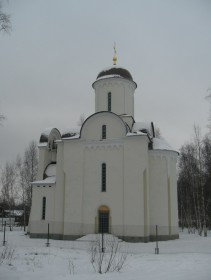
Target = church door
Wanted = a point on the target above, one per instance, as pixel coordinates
(103, 221)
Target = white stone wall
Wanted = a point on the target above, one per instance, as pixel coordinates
(59, 191)
(37, 225)
(122, 91)
(135, 163)
(92, 127)
(163, 192)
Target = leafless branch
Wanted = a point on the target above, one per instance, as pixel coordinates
(5, 23)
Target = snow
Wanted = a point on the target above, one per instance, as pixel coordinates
(47, 181)
(71, 130)
(51, 179)
(160, 144)
(51, 170)
(136, 133)
(188, 258)
(71, 133)
(45, 144)
(47, 131)
(142, 125)
(109, 76)
(77, 136)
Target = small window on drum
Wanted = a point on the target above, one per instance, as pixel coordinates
(109, 101)
(104, 131)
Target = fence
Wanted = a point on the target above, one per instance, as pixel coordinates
(9, 222)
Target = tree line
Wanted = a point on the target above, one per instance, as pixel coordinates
(5, 24)
(194, 184)
(16, 178)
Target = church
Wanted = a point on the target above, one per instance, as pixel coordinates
(112, 175)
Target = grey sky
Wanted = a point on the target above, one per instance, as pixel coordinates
(57, 48)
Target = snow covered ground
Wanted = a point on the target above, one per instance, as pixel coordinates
(188, 258)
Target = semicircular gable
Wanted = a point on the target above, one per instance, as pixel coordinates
(103, 125)
(50, 133)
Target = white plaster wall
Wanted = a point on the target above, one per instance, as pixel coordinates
(93, 196)
(44, 160)
(125, 161)
(45, 157)
(59, 192)
(158, 192)
(83, 194)
(37, 225)
(162, 169)
(92, 127)
(73, 169)
(174, 201)
(135, 162)
(128, 120)
(122, 92)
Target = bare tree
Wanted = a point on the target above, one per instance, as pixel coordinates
(29, 171)
(194, 194)
(109, 258)
(5, 24)
(9, 190)
(188, 211)
(16, 180)
(201, 199)
(21, 186)
(206, 157)
(26, 172)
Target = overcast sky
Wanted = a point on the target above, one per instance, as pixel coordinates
(57, 48)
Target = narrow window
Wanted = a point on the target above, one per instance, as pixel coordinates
(104, 131)
(43, 207)
(109, 101)
(103, 177)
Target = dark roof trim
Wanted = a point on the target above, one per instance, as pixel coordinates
(114, 78)
(124, 73)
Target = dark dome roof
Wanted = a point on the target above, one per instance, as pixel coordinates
(115, 71)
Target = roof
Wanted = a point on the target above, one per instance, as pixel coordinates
(115, 71)
(160, 144)
(46, 182)
(46, 134)
(71, 133)
(145, 127)
(49, 176)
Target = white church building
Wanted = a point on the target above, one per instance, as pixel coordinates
(112, 175)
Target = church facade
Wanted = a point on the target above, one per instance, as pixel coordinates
(112, 176)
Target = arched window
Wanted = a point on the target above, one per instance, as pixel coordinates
(109, 101)
(104, 131)
(103, 177)
(43, 207)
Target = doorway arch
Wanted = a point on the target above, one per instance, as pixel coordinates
(103, 219)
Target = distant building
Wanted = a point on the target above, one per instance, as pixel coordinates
(11, 217)
(112, 176)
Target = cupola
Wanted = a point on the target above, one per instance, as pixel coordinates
(114, 90)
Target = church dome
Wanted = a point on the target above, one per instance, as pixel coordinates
(115, 72)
